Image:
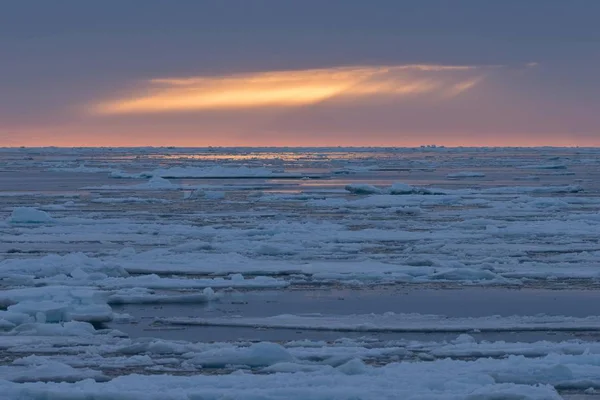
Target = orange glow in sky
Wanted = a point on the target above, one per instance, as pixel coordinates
(288, 88)
(133, 138)
(402, 105)
(299, 73)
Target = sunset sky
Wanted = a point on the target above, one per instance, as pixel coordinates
(299, 73)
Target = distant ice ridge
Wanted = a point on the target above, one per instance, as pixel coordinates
(393, 322)
(216, 171)
(465, 174)
(203, 193)
(128, 200)
(527, 178)
(543, 166)
(405, 189)
(82, 168)
(154, 183)
(395, 189)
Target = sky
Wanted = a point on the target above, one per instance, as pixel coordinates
(299, 73)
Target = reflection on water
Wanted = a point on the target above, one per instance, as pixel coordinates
(335, 167)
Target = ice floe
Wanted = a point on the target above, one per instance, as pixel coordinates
(29, 215)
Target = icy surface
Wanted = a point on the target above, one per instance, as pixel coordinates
(97, 242)
(207, 172)
(29, 215)
(391, 322)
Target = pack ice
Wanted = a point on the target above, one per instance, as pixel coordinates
(321, 273)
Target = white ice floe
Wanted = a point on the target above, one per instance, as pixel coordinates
(71, 264)
(147, 296)
(77, 287)
(157, 182)
(444, 379)
(39, 332)
(57, 304)
(163, 261)
(29, 370)
(466, 346)
(256, 355)
(156, 282)
(29, 215)
(305, 369)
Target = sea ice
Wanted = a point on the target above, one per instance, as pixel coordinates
(61, 272)
(256, 355)
(29, 215)
(392, 322)
(216, 171)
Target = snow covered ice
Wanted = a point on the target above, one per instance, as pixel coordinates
(327, 273)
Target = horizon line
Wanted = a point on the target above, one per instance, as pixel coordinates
(431, 146)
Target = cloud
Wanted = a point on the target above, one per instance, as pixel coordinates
(463, 86)
(274, 89)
